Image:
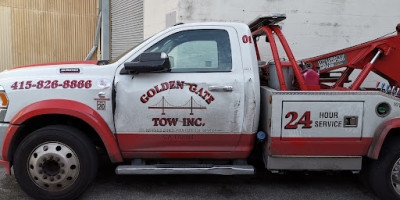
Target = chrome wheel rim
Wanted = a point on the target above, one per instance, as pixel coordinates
(53, 166)
(395, 176)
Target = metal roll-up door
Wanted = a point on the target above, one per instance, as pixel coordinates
(126, 25)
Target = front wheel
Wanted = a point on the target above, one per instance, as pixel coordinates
(384, 173)
(55, 162)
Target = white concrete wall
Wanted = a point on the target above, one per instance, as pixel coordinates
(312, 27)
(155, 12)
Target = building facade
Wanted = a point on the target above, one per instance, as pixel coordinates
(42, 31)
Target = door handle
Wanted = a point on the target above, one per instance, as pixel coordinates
(220, 88)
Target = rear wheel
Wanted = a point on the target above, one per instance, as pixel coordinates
(55, 162)
(384, 173)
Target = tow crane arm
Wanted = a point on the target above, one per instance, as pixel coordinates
(380, 56)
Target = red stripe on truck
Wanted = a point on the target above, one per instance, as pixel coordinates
(319, 146)
(186, 145)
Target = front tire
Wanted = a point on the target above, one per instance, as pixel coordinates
(55, 162)
(384, 173)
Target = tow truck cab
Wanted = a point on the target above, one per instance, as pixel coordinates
(205, 105)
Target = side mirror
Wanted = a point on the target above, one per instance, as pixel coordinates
(149, 62)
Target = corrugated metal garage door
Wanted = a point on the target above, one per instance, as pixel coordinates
(126, 25)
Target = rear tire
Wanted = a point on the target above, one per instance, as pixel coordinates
(55, 162)
(384, 173)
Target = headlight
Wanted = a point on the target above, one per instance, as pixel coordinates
(3, 98)
(3, 104)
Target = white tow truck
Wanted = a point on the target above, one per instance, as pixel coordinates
(195, 99)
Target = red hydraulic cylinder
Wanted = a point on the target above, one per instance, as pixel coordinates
(364, 73)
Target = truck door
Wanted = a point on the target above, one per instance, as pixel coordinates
(196, 107)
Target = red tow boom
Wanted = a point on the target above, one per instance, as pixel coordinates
(381, 56)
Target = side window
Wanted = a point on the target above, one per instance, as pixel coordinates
(197, 51)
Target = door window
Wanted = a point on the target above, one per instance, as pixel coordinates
(197, 51)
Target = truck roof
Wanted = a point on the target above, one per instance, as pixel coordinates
(233, 24)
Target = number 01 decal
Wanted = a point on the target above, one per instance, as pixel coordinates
(246, 39)
(305, 119)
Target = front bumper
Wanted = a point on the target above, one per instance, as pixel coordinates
(3, 130)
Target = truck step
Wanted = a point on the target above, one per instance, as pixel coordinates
(160, 169)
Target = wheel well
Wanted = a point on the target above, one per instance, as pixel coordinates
(41, 121)
(391, 138)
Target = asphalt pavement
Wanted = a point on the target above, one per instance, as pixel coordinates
(263, 185)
